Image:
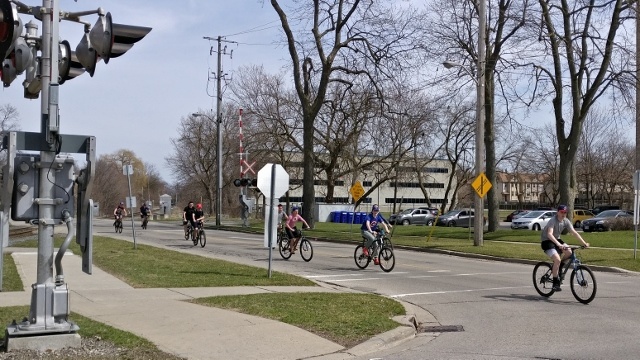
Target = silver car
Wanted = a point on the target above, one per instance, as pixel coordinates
(534, 220)
(463, 218)
(420, 216)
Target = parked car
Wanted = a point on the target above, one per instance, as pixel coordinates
(534, 220)
(515, 214)
(600, 208)
(422, 216)
(602, 221)
(462, 218)
(579, 216)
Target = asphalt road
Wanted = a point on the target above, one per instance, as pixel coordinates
(501, 314)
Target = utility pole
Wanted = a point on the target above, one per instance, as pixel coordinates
(219, 76)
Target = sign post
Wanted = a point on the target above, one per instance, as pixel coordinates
(273, 182)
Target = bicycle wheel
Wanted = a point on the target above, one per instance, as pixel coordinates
(362, 261)
(144, 223)
(284, 248)
(120, 228)
(203, 238)
(387, 242)
(194, 237)
(306, 249)
(187, 234)
(387, 259)
(543, 279)
(583, 284)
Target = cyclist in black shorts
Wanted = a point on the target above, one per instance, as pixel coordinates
(188, 216)
(553, 246)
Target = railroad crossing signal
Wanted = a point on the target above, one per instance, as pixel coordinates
(481, 185)
(356, 191)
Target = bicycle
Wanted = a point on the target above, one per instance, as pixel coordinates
(386, 257)
(583, 282)
(188, 233)
(304, 246)
(118, 225)
(145, 220)
(199, 235)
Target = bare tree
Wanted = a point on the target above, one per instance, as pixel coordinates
(354, 38)
(454, 36)
(585, 57)
(9, 117)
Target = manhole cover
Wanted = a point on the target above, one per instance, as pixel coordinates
(440, 328)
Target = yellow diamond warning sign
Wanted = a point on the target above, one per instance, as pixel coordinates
(481, 185)
(357, 191)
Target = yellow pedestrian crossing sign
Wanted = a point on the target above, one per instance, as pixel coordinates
(357, 191)
(481, 185)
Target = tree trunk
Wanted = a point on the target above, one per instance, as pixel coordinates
(489, 142)
(308, 190)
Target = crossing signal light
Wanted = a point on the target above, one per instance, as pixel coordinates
(106, 40)
(10, 27)
(245, 182)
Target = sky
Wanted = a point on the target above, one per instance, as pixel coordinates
(137, 100)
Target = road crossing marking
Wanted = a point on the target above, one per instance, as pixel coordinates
(471, 274)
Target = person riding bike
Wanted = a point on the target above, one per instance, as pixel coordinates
(198, 215)
(553, 246)
(281, 217)
(119, 211)
(145, 212)
(292, 230)
(188, 217)
(370, 230)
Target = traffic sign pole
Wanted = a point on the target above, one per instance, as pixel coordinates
(271, 206)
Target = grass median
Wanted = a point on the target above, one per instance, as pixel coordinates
(344, 318)
(612, 248)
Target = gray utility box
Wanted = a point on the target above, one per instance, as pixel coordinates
(26, 186)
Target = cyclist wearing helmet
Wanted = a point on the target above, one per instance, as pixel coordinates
(553, 246)
(292, 230)
(199, 215)
(188, 216)
(369, 230)
(119, 211)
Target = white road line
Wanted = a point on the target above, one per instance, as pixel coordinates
(438, 271)
(361, 279)
(471, 274)
(320, 276)
(338, 275)
(459, 291)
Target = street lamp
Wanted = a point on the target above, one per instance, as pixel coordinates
(478, 226)
(219, 166)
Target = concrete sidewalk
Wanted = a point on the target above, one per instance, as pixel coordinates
(166, 318)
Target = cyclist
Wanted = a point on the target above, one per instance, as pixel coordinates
(188, 217)
(281, 217)
(119, 211)
(369, 230)
(198, 215)
(145, 212)
(292, 230)
(553, 246)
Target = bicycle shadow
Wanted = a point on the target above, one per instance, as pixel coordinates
(530, 297)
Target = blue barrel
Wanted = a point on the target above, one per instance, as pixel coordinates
(349, 217)
(336, 216)
(343, 217)
(358, 218)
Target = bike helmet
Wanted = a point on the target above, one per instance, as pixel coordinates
(121, 203)
(375, 208)
(295, 208)
(562, 209)
(199, 206)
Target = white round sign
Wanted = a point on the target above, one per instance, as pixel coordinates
(281, 184)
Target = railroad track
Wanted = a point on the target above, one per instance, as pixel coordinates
(21, 231)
